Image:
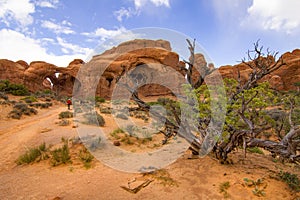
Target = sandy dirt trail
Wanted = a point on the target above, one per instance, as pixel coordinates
(184, 179)
(17, 135)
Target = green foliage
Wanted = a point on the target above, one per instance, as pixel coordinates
(61, 155)
(19, 109)
(94, 118)
(223, 187)
(291, 179)
(29, 99)
(86, 158)
(255, 150)
(105, 110)
(65, 114)
(259, 186)
(99, 99)
(258, 99)
(41, 105)
(116, 132)
(14, 89)
(33, 154)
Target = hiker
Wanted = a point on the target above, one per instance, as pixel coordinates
(69, 103)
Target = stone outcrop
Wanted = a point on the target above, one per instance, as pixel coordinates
(282, 79)
(39, 75)
(139, 57)
(111, 65)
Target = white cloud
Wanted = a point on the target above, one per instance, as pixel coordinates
(16, 46)
(18, 11)
(230, 10)
(103, 33)
(64, 27)
(278, 15)
(141, 3)
(47, 3)
(123, 12)
(72, 48)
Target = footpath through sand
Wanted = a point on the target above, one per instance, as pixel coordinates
(185, 179)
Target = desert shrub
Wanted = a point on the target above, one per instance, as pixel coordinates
(29, 99)
(86, 158)
(30, 111)
(14, 89)
(33, 154)
(61, 155)
(259, 186)
(255, 150)
(291, 179)
(130, 129)
(19, 109)
(122, 116)
(99, 99)
(115, 133)
(94, 118)
(127, 140)
(65, 114)
(41, 105)
(105, 110)
(21, 106)
(64, 122)
(94, 144)
(15, 114)
(3, 96)
(223, 187)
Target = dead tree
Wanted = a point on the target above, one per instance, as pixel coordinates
(260, 65)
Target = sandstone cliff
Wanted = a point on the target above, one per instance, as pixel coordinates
(132, 55)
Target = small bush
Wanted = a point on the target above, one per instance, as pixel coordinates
(94, 118)
(94, 144)
(29, 99)
(14, 89)
(61, 155)
(15, 114)
(127, 140)
(64, 122)
(3, 96)
(21, 106)
(291, 179)
(99, 99)
(122, 116)
(65, 114)
(223, 187)
(20, 109)
(255, 150)
(86, 158)
(116, 132)
(105, 110)
(33, 154)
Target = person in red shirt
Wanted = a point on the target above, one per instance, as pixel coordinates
(69, 103)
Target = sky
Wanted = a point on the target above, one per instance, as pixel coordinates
(58, 31)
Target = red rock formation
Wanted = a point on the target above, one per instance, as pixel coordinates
(281, 79)
(146, 56)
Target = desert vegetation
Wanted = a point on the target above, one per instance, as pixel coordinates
(260, 123)
(250, 110)
(68, 151)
